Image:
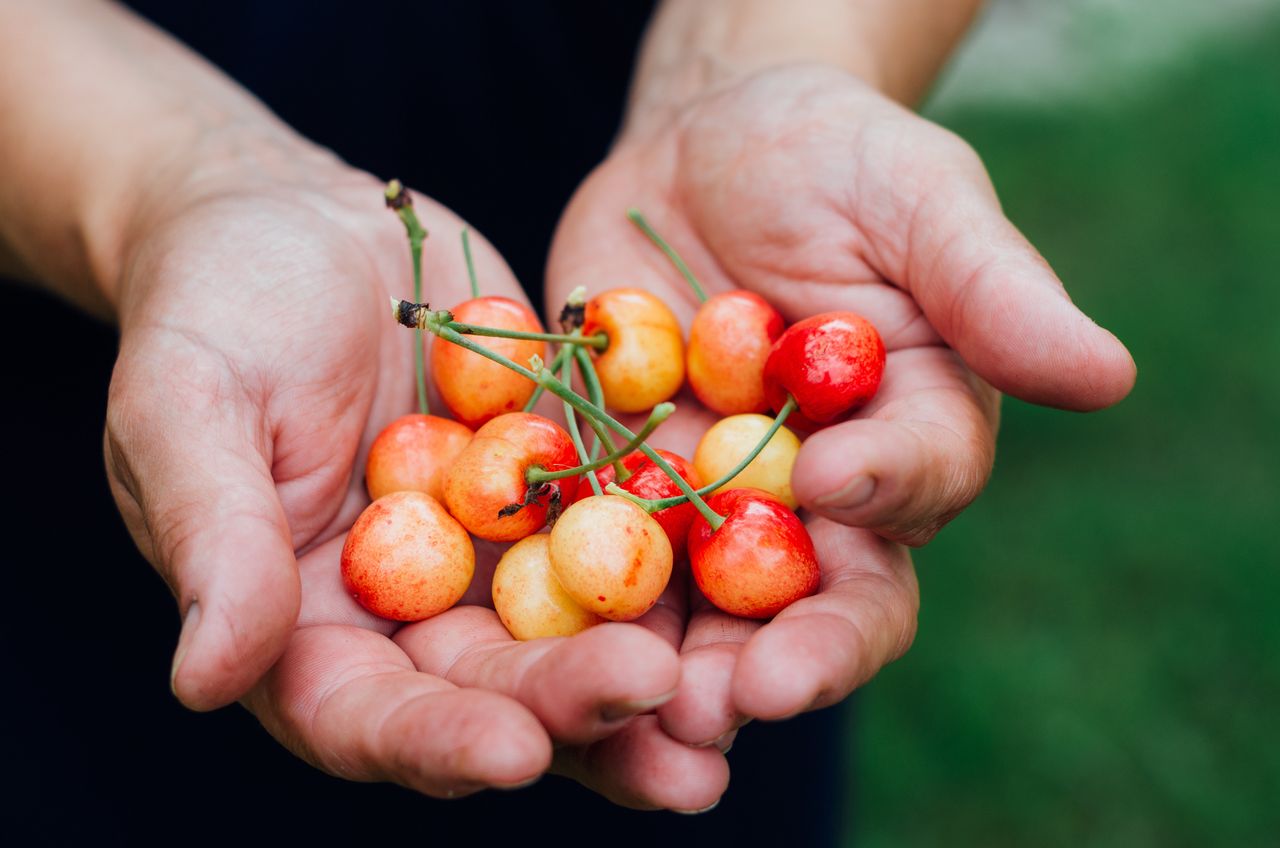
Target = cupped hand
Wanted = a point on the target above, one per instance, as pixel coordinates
(807, 186)
(258, 360)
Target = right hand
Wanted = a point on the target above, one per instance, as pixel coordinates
(258, 361)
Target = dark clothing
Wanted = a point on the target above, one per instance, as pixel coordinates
(497, 110)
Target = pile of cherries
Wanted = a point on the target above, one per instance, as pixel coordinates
(622, 514)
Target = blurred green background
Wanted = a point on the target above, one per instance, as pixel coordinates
(1098, 660)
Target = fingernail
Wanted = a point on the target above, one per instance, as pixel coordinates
(853, 494)
(720, 742)
(189, 625)
(511, 787)
(627, 709)
(698, 812)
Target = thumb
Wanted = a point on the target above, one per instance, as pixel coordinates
(996, 301)
(196, 492)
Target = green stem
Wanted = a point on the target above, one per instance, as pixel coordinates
(554, 366)
(660, 413)
(592, 411)
(595, 391)
(471, 265)
(571, 421)
(599, 341)
(643, 225)
(399, 200)
(665, 503)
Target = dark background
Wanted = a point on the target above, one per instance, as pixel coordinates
(495, 109)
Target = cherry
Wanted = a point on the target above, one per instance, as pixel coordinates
(413, 453)
(649, 481)
(529, 599)
(407, 559)
(831, 364)
(729, 341)
(724, 445)
(611, 557)
(643, 363)
(487, 488)
(475, 389)
(759, 561)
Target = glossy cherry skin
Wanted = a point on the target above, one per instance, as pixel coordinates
(610, 557)
(413, 454)
(644, 362)
(530, 600)
(730, 439)
(729, 341)
(489, 476)
(407, 559)
(477, 389)
(831, 363)
(759, 562)
(649, 481)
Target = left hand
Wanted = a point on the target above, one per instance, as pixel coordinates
(807, 186)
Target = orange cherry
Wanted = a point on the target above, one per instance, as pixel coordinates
(486, 488)
(611, 557)
(406, 558)
(644, 362)
(528, 597)
(413, 453)
(474, 388)
(729, 341)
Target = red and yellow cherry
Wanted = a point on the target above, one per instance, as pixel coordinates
(486, 489)
(730, 440)
(644, 362)
(611, 557)
(406, 558)
(529, 599)
(652, 483)
(729, 340)
(474, 388)
(759, 561)
(830, 363)
(412, 454)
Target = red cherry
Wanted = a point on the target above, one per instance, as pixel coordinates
(651, 482)
(759, 562)
(831, 364)
(729, 340)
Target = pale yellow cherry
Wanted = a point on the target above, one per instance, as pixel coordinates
(529, 599)
(731, 439)
(611, 557)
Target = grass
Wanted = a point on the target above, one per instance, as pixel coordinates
(1099, 651)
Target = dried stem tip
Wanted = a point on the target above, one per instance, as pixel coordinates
(397, 197)
(409, 314)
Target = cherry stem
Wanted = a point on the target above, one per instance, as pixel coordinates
(401, 202)
(595, 392)
(599, 341)
(418, 315)
(571, 421)
(594, 412)
(471, 265)
(564, 352)
(666, 503)
(660, 413)
(635, 216)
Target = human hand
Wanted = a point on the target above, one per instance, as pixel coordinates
(810, 188)
(258, 361)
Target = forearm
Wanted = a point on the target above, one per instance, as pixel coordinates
(693, 45)
(103, 114)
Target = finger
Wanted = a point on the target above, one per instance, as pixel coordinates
(819, 649)
(581, 688)
(349, 702)
(186, 463)
(642, 767)
(994, 298)
(919, 454)
(702, 712)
